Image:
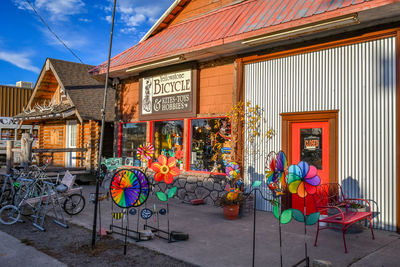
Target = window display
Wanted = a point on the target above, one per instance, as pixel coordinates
(133, 135)
(7, 134)
(22, 131)
(168, 140)
(210, 145)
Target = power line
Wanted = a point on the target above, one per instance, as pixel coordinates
(48, 27)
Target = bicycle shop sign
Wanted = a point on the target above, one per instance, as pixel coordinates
(167, 94)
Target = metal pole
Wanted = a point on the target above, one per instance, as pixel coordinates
(96, 200)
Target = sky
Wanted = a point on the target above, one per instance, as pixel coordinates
(84, 25)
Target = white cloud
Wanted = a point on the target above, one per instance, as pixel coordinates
(21, 60)
(57, 10)
(137, 13)
(108, 19)
(84, 20)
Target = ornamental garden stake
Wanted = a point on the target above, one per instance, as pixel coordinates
(276, 171)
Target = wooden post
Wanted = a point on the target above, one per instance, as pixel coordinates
(9, 155)
(26, 150)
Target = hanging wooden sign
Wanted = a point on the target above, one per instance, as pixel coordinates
(168, 95)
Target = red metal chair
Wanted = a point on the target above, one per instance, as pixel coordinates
(330, 200)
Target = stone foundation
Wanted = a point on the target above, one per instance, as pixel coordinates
(194, 186)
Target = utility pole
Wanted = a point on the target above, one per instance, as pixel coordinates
(103, 113)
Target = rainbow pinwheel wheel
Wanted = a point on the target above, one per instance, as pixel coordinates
(165, 169)
(303, 179)
(145, 152)
(232, 170)
(276, 172)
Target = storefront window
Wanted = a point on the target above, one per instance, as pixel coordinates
(168, 138)
(133, 135)
(210, 145)
(7, 134)
(22, 131)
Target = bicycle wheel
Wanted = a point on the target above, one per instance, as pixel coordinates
(9, 214)
(74, 204)
(6, 198)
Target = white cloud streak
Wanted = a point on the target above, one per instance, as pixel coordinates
(134, 14)
(21, 60)
(56, 10)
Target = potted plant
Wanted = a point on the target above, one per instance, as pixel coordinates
(230, 203)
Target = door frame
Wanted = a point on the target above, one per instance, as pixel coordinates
(330, 116)
(70, 157)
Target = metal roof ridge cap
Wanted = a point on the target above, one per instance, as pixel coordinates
(215, 11)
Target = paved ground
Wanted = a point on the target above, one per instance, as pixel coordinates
(15, 253)
(215, 241)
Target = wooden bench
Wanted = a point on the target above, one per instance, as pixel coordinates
(330, 200)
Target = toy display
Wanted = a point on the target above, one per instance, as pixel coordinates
(168, 139)
(210, 145)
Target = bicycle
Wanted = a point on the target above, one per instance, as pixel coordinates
(10, 214)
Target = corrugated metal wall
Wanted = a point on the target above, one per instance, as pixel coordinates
(359, 80)
(13, 99)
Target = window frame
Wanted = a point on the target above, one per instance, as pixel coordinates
(189, 142)
(120, 134)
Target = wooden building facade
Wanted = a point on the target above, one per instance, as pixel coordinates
(66, 104)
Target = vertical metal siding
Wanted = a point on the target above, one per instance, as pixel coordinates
(358, 80)
(13, 100)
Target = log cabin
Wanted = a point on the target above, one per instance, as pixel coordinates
(66, 105)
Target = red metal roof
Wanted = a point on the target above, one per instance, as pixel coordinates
(233, 23)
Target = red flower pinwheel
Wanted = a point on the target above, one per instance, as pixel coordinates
(165, 169)
(303, 179)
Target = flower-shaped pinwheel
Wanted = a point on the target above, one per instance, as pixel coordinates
(165, 169)
(303, 179)
(145, 152)
(276, 172)
(232, 170)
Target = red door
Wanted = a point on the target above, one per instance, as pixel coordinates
(310, 143)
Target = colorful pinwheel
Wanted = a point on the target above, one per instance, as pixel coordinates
(145, 152)
(125, 188)
(303, 179)
(165, 169)
(276, 172)
(232, 170)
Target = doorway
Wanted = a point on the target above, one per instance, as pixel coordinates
(70, 142)
(311, 137)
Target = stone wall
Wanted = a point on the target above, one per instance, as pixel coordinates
(195, 186)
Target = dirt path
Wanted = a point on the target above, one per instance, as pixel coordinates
(72, 246)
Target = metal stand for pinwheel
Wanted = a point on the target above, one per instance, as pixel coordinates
(163, 234)
(129, 189)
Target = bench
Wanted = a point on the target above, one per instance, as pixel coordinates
(330, 200)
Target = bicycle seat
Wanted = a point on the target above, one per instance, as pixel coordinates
(61, 188)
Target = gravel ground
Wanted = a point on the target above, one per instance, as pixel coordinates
(72, 246)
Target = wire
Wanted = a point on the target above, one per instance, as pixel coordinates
(48, 27)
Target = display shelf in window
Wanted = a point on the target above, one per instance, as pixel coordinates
(168, 140)
(210, 144)
(132, 136)
(7, 134)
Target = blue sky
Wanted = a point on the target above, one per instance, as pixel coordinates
(84, 25)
